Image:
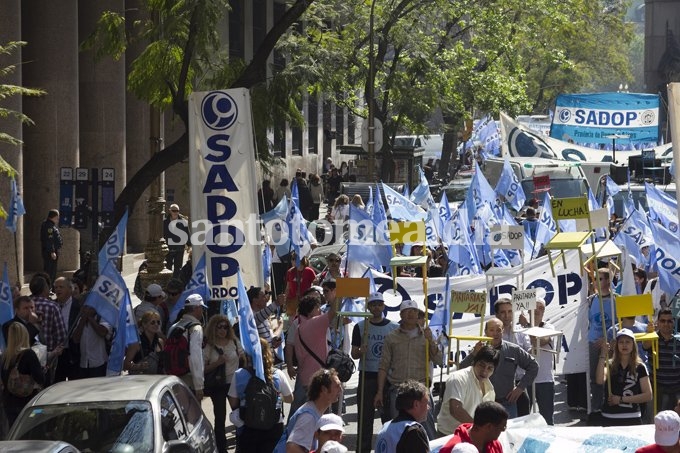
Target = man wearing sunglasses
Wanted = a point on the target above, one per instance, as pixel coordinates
(668, 373)
(262, 312)
(173, 290)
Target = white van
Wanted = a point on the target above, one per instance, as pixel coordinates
(566, 178)
(433, 145)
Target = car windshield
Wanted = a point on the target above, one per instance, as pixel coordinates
(559, 188)
(113, 426)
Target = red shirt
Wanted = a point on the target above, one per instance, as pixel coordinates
(306, 276)
(654, 448)
(462, 434)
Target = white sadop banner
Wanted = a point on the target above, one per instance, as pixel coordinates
(565, 295)
(223, 181)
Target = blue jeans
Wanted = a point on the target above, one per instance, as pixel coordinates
(545, 397)
(596, 390)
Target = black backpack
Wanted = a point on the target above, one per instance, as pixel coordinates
(260, 411)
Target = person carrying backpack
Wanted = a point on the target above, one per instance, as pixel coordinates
(257, 406)
(183, 350)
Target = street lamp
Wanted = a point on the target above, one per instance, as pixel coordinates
(613, 138)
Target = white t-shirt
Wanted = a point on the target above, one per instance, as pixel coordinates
(305, 427)
(462, 386)
(237, 388)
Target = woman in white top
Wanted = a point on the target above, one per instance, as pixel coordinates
(221, 355)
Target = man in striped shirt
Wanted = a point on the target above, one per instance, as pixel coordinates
(262, 312)
(668, 373)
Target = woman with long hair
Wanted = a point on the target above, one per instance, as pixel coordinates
(144, 357)
(256, 440)
(221, 355)
(18, 354)
(630, 386)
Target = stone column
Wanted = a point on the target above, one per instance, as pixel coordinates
(102, 108)
(10, 30)
(51, 63)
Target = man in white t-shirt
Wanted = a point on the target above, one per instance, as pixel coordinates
(466, 389)
(324, 390)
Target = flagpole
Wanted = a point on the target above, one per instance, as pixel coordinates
(362, 377)
(16, 256)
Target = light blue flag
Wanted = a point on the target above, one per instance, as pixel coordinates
(114, 245)
(421, 195)
(6, 303)
(352, 305)
(369, 203)
(637, 228)
(250, 339)
(108, 294)
(480, 192)
(279, 212)
(441, 318)
(406, 192)
(197, 285)
(662, 208)
(546, 226)
(365, 245)
(509, 187)
(462, 257)
(267, 262)
(297, 228)
(667, 253)
(16, 207)
(612, 190)
(401, 208)
(445, 217)
(295, 193)
(126, 334)
(623, 240)
(490, 137)
(228, 309)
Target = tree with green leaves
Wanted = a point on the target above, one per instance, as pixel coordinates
(8, 91)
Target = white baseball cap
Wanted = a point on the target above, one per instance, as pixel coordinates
(333, 446)
(406, 304)
(625, 333)
(375, 297)
(464, 447)
(195, 300)
(667, 428)
(330, 422)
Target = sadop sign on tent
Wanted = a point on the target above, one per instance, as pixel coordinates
(592, 117)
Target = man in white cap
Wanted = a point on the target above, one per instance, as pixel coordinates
(403, 359)
(328, 428)
(153, 297)
(189, 326)
(176, 234)
(666, 432)
(367, 346)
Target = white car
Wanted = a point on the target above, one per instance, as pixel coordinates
(140, 413)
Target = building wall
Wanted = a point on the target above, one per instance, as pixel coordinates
(660, 15)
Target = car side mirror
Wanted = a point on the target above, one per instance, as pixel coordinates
(179, 446)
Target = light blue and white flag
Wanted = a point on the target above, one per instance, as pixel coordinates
(6, 303)
(114, 245)
(662, 208)
(546, 226)
(490, 137)
(197, 285)
(667, 253)
(406, 192)
(297, 228)
(16, 207)
(267, 262)
(250, 339)
(125, 334)
(478, 193)
(108, 294)
(626, 242)
(421, 195)
(228, 309)
(441, 317)
(462, 255)
(369, 203)
(612, 190)
(279, 212)
(400, 207)
(365, 243)
(444, 216)
(509, 187)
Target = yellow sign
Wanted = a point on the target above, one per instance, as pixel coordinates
(570, 208)
(468, 302)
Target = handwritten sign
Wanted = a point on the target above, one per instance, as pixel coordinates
(468, 302)
(524, 299)
(570, 208)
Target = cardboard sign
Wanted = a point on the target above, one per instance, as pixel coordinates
(524, 299)
(352, 287)
(468, 302)
(570, 208)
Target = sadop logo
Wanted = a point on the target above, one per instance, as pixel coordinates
(565, 115)
(219, 110)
